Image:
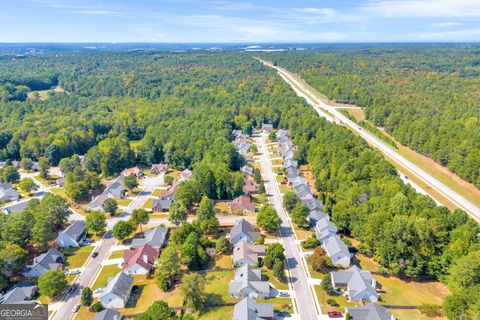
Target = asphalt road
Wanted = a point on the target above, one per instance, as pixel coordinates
(320, 106)
(305, 301)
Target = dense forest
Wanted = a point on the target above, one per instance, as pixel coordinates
(126, 108)
(426, 96)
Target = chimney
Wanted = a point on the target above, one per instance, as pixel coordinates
(145, 258)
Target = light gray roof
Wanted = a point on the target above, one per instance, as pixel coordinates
(315, 215)
(154, 237)
(7, 192)
(19, 207)
(116, 189)
(303, 190)
(162, 203)
(244, 250)
(334, 245)
(107, 314)
(267, 126)
(50, 260)
(325, 224)
(290, 163)
(120, 285)
(243, 226)
(76, 229)
(370, 311)
(247, 277)
(311, 202)
(247, 170)
(248, 309)
(355, 279)
(20, 293)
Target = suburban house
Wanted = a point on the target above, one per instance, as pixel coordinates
(159, 168)
(249, 309)
(73, 235)
(266, 127)
(169, 193)
(303, 190)
(161, 205)
(18, 207)
(117, 292)
(360, 285)
(114, 190)
(288, 155)
(155, 238)
(315, 215)
(248, 283)
(7, 193)
(246, 253)
(186, 174)
(108, 314)
(250, 187)
(337, 251)
(140, 260)
(311, 202)
(51, 260)
(134, 171)
(243, 231)
(298, 181)
(291, 171)
(324, 229)
(97, 203)
(247, 170)
(290, 164)
(242, 204)
(370, 311)
(236, 132)
(22, 292)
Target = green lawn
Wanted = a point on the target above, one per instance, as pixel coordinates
(323, 297)
(284, 188)
(217, 283)
(277, 162)
(123, 202)
(219, 313)
(268, 275)
(105, 273)
(148, 204)
(222, 206)
(157, 192)
(51, 179)
(62, 192)
(76, 257)
(116, 254)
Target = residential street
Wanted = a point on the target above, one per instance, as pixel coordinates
(305, 301)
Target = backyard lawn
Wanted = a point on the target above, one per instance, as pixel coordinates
(76, 257)
(60, 192)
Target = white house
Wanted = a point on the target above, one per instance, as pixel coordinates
(360, 285)
(117, 292)
(337, 251)
(73, 235)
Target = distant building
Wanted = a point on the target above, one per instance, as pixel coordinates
(161, 205)
(246, 253)
(337, 251)
(242, 204)
(108, 314)
(370, 311)
(7, 193)
(134, 171)
(73, 235)
(16, 208)
(159, 168)
(115, 190)
(248, 309)
(243, 231)
(155, 238)
(21, 293)
(51, 260)
(117, 292)
(267, 127)
(247, 170)
(360, 285)
(186, 174)
(248, 283)
(169, 193)
(140, 260)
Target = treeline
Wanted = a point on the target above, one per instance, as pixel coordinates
(426, 96)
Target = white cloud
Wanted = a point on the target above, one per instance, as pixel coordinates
(321, 11)
(456, 35)
(445, 24)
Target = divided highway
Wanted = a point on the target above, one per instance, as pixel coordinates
(333, 115)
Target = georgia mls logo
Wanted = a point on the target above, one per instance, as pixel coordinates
(24, 311)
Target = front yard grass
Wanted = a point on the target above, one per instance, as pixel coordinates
(123, 202)
(62, 192)
(277, 162)
(218, 313)
(340, 300)
(222, 207)
(268, 275)
(117, 254)
(76, 257)
(157, 192)
(284, 188)
(148, 204)
(105, 273)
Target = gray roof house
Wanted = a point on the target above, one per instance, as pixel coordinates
(117, 292)
(161, 205)
(186, 174)
(73, 235)
(155, 238)
(7, 193)
(311, 202)
(108, 314)
(266, 127)
(315, 215)
(22, 292)
(282, 133)
(324, 229)
(247, 170)
(290, 163)
(297, 181)
(360, 285)
(370, 311)
(114, 190)
(291, 171)
(236, 132)
(303, 190)
(246, 253)
(243, 231)
(51, 260)
(337, 251)
(248, 283)
(18, 207)
(248, 309)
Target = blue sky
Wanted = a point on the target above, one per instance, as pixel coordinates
(239, 21)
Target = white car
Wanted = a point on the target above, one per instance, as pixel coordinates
(98, 290)
(75, 309)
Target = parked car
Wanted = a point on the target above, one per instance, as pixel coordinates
(280, 173)
(284, 294)
(284, 182)
(283, 314)
(95, 254)
(335, 314)
(99, 290)
(76, 307)
(76, 271)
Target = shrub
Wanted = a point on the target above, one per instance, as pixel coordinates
(332, 302)
(431, 310)
(97, 307)
(311, 243)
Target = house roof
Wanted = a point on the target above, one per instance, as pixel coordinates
(159, 167)
(137, 256)
(325, 224)
(162, 203)
(76, 229)
(120, 285)
(18, 207)
(116, 189)
(242, 201)
(154, 237)
(248, 309)
(186, 174)
(315, 215)
(356, 280)
(169, 193)
(334, 246)
(50, 260)
(247, 277)
(250, 186)
(107, 314)
(303, 190)
(20, 293)
(247, 170)
(290, 163)
(132, 171)
(243, 226)
(372, 311)
(7, 191)
(244, 250)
